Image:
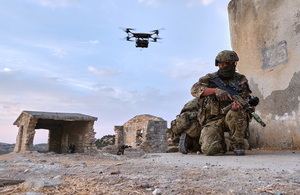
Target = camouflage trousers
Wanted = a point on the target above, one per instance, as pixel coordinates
(212, 139)
(193, 133)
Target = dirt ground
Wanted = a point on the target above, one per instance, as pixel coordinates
(258, 172)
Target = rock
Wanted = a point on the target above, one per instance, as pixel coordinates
(32, 193)
(117, 171)
(57, 177)
(157, 191)
(33, 184)
(111, 149)
(134, 152)
(40, 183)
(145, 185)
(52, 182)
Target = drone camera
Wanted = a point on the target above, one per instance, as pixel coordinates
(142, 43)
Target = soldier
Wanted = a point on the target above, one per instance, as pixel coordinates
(185, 129)
(212, 99)
(121, 149)
(72, 148)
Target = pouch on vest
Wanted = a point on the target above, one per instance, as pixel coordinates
(214, 108)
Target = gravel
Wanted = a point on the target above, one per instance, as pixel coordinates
(258, 172)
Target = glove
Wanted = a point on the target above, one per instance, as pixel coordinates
(222, 95)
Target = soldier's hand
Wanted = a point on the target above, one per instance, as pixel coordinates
(222, 95)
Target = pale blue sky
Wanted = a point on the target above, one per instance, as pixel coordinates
(70, 56)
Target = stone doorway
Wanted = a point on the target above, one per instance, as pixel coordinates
(66, 131)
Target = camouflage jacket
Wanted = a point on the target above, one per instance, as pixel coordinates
(210, 106)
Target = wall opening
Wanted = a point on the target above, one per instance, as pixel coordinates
(139, 137)
(41, 136)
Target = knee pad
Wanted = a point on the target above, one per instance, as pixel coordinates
(213, 148)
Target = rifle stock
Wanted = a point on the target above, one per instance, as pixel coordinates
(236, 98)
(244, 105)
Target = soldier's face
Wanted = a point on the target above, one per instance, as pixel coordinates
(224, 64)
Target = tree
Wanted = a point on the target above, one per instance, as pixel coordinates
(105, 141)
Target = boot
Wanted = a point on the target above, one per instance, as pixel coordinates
(183, 143)
(239, 150)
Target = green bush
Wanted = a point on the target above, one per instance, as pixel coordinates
(105, 141)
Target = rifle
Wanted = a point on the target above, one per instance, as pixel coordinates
(233, 90)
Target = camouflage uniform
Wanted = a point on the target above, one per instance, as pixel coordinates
(213, 122)
(187, 122)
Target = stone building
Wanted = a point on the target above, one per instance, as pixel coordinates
(65, 130)
(266, 36)
(144, 131)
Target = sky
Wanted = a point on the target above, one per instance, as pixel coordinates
(71, 56)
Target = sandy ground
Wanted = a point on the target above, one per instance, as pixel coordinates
(258, 172)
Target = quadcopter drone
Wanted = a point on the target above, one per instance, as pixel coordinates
(142, 39)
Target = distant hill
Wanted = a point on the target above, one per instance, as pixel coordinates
(6, 148)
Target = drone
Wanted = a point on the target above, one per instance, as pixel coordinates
(142, 39)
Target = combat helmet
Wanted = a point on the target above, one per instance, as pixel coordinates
(226, 56)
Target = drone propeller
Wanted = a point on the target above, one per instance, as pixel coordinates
(154, 39)
(157, 31)
(128, 38)
(127, 30)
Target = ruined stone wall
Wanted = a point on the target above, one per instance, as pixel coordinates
(26, 134)
(89, 145)
(145, 131)
(266, 36)
(155, 137)
(119, 139)
(78, 133)
(55, 140)
(136, 125)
